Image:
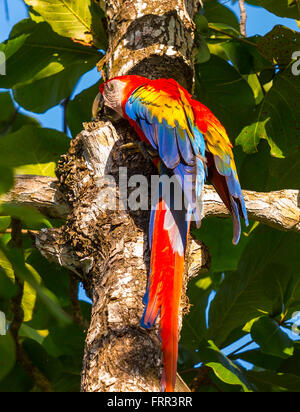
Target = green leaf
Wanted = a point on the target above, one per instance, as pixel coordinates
(272, 340)
(14, 256)
(239, 55)
(67, 382)
(194, 324)
(26, 331)
(49, 366)
(201, 25)
(28, 215)
(6, 179)
(224, 91)
(7, 108)
(262, 172)
(7, 354)
(260, 359)
(67, 340)
(10, 119)
(218, 13)
(267, 381)
(292, 364)
(246, 58)
(29, 295)
(277, 119)
(203, 54)
(19, 121)
(17, 380)
(4, 223)
(224, 368)
(46, 145)
(225, 256)
(279, 44)
(266, 267)
(284, 173)
(256, 87)
(56, 87)
(78, 19)
(56, 64)
(282, 8)
(79, 109)
(7, 288)
(60, 289)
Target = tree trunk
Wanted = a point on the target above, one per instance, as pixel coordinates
(153, 39)
(108, 249)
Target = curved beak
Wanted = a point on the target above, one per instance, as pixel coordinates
(97, 105)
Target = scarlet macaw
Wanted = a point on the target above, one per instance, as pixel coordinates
(194, 146)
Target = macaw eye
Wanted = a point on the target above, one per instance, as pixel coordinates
(110, 87)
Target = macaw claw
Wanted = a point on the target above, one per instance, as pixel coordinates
(141, 147)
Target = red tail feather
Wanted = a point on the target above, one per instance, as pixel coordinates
(164, 293)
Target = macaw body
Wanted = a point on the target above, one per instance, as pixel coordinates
(193, 146)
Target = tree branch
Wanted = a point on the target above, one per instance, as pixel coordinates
(40, 192)
(243, 18)
(279, 209)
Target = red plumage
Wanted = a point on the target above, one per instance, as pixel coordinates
(190, 141)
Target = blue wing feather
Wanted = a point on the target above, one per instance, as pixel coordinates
(178, 147)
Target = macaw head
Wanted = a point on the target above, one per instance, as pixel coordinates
(114, 93)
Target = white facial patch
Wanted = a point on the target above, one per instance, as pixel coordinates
(113, 95)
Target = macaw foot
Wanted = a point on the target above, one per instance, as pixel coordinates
(141, 147)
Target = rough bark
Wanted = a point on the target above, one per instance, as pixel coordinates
(108, 249)
(243, 18)
(154, 39)
(279, 209)
(40, 192)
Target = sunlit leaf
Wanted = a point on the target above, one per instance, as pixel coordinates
(56, 64)
(46, 145)
(28, 215)
(223, 367)
(29, 295)
(78, 19)
(277, 119)
(14, 256)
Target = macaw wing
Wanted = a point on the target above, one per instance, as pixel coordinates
(162, 111)
(223, 174)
